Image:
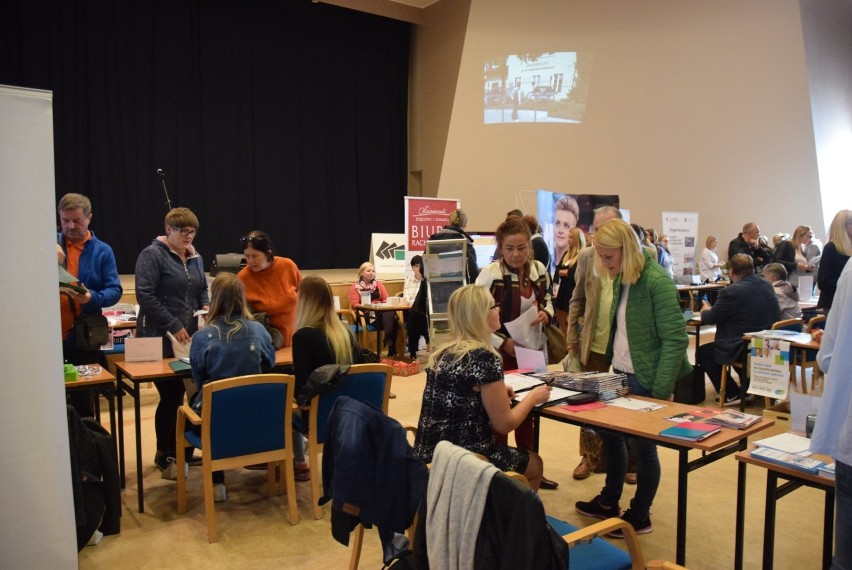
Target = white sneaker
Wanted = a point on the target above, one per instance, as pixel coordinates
(220, 493)
(95, 538)
(170, 472)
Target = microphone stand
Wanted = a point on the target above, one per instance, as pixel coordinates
(165, 190)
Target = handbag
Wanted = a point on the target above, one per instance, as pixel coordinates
(91, 330)
(263, 318)
(369, 357)
(557, 344)
(326, 378)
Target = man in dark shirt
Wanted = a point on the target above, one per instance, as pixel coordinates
(749, 304)
(747, 243)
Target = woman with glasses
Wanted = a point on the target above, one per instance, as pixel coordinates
(465, 400)
(518, 283)
(271, 283)
(170, 287)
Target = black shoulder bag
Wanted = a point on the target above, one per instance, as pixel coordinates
(91, 330)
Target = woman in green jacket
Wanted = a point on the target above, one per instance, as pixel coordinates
(648, 343)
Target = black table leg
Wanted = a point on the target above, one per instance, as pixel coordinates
(682, 492)
(741, 494)
(119, 387)
(769, 520)
(828, 529)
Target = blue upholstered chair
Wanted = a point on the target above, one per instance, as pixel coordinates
(244, 420)
(366, 383)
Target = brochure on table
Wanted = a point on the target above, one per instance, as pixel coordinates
(769, 367)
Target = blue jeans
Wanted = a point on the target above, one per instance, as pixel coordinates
(647, 463)
(843, 523)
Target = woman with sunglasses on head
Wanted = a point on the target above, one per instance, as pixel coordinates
(271, 283)
(465, 400)
(230, 344)
(518, 283)
(170, 287)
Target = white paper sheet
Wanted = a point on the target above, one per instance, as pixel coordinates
(556, 394)
(530, 359)
(632, 404)
(524, 329)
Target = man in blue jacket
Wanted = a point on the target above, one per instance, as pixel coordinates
(93, 263)
(749, 304)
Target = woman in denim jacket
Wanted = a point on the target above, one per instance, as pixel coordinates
(231, 344)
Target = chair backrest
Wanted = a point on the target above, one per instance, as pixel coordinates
(368, 383)
(788, 325)
(817, 322)
(247, 414)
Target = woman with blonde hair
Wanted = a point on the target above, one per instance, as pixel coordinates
(230, 344)
(465, 400)
(563, 276)
(834, 257)
(320, 338)
(648, 344)
(369, 285)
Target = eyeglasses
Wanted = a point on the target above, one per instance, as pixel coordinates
(494, 306)
(186, 232)
(258, 243)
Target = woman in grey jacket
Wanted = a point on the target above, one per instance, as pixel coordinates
(648, 343)
(170, 287)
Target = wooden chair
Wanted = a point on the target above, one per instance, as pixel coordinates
(244, 420)
(807, 357)
(723, 384)
(366, 383)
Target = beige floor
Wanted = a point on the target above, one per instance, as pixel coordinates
(254, 531)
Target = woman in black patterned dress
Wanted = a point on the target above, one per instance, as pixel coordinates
(466, 400)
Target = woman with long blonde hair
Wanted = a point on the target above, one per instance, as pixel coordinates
(563, 276)
(834, 257)
(465, 400)
(648, 344)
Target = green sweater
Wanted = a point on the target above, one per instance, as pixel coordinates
(656, 331)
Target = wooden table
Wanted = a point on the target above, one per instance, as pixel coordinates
(795, 479)
(128, 376)
(103, 383)
(691, 290)
(648, 425)
(362, 313)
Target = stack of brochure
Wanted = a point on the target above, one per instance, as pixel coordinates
(733, 419)
(789, 450)
(827, 470)
(790, 460)
(605, 384)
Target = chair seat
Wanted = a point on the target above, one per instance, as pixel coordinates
(593, 556)
(193, 438)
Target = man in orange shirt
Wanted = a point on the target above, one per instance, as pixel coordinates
(93, 263)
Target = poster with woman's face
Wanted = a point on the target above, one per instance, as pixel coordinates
(558, 213)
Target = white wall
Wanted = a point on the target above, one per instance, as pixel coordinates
(828, 48)
(694, 106)
(37, 528)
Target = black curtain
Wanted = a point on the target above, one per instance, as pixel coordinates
(284, 116)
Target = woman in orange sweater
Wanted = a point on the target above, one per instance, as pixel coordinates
(270, 283)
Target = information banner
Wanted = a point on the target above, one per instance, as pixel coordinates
(769, 367)
(387, 251)
(682, 230)
(424, 217)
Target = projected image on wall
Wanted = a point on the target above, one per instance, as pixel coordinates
(549, 87)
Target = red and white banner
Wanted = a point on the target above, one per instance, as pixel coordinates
(424, 217)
